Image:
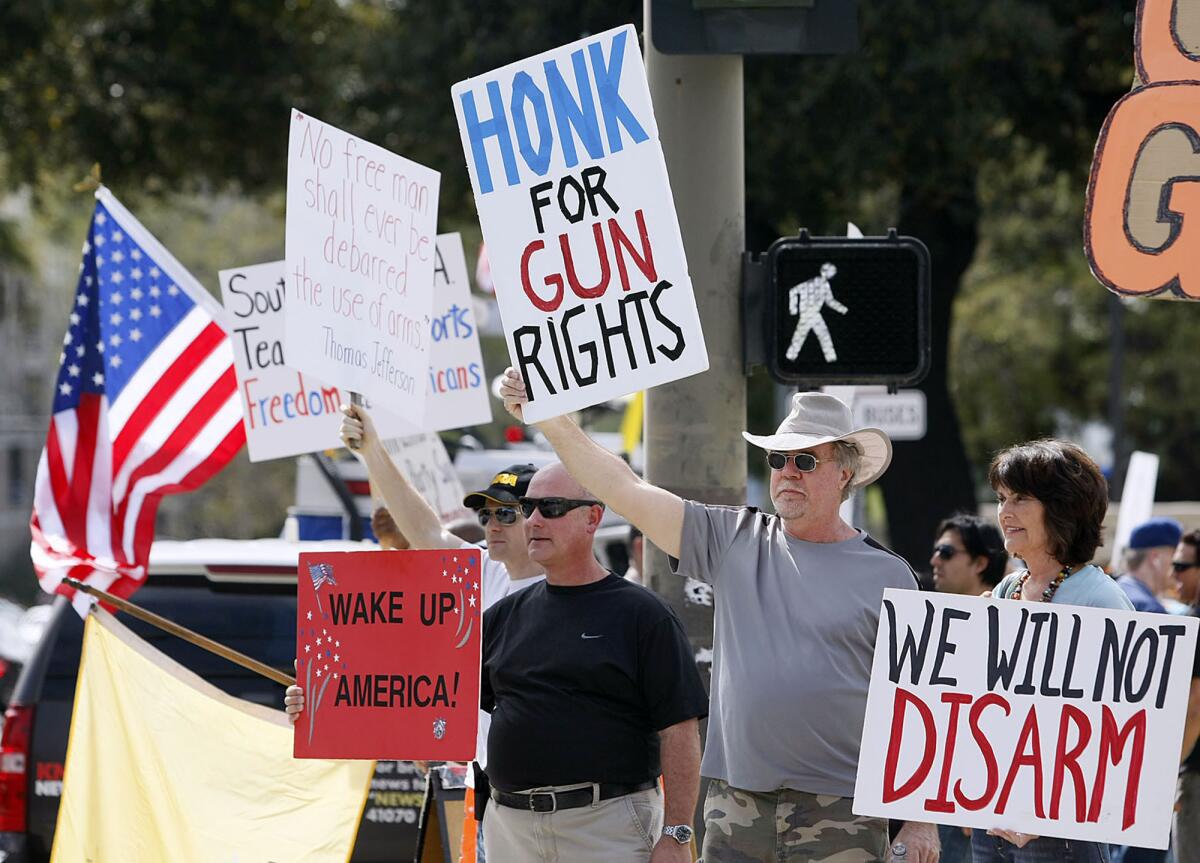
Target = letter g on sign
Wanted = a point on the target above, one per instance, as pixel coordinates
(1142, 225)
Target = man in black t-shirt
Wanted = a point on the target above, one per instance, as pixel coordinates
(593, 692)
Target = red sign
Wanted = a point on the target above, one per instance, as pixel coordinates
(388, 650)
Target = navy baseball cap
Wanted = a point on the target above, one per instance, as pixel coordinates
(507, 487)
(1155, 533)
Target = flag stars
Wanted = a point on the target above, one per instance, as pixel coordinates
(135, 314)
(87, 247)
(116, 237)
(155, 272)
(136, 254)
(117, 256)
(100, 346)
(115, 298)
(154, 291)
(337, 658)
(75, 319)
(155, 311)
(318, 642)
(98, 379)
(116, 277)
(319, 672)
(136, 293)
(471, 600)
(135, 334)
(115, 340)
(79, 350)
(73, 370)
(115, 319)
(337, 644)
(115, 362)
(82, 299)
(99, 240)
(307, 648)
(310, 615)
(101, 218)
(67, 338)
(64, 388)
(99, 260)
(173, 290)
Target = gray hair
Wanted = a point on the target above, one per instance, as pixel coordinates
(849, 456)
(1135, 557)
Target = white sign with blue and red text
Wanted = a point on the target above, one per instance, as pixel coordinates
(581, 232)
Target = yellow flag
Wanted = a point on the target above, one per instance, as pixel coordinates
(164, 766)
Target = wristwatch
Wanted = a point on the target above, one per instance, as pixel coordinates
(681, 833)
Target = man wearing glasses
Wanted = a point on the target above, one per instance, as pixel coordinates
(594, 693)
(505, 564)
(798, 595)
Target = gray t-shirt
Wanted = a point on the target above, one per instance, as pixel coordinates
(792, 647)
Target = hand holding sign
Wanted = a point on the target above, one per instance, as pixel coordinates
(512, 391)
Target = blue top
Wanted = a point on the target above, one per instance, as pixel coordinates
(1140, 595)
(1090, 586)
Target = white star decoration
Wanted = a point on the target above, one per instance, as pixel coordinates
(73, 370)
(135, 334)
(115, 362)
(97, 379)
(64, 388)
(471, 600)
(310, 615)
(308, 647)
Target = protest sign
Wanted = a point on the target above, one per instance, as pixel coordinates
(360, 258)
(388, 647)
(1053, 720)
(425, 463)
(288, 412)
(582, 239)
(458, 386)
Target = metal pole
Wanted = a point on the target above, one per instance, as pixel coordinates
(693, 427)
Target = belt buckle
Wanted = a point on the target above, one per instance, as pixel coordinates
(553, 801)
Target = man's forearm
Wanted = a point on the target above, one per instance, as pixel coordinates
(680, 748)
(414, 516)
(654, 511)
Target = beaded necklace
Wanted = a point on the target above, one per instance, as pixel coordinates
(1051, 588)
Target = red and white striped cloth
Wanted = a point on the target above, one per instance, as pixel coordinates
(145, 405)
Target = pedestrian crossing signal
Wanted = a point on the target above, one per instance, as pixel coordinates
(839, 310)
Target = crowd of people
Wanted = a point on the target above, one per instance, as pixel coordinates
(589, 747)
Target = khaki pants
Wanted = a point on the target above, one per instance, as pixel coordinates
(621, 829)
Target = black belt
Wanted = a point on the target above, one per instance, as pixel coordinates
(552, 801)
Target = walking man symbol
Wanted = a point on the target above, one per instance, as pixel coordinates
(808, 300)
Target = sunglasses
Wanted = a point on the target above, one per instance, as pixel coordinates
(502, 514)
(1182, 565)
(945, 551)
(805, 462)
(553, 507)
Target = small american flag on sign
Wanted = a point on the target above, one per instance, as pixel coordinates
(322, 573)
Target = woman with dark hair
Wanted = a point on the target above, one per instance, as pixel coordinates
(1052, 499)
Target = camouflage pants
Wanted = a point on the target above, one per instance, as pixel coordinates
(787, 826)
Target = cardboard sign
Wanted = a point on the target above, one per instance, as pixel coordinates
(360, 257)
(426, 465)
(582, 238)
(1142, 223)
(388, 648)
(1054, 720)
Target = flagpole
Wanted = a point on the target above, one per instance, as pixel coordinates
(183, 632)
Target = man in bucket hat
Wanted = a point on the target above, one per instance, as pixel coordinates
(797, 607)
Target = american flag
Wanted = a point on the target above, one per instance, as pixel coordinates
(145, 404)
(322, 573)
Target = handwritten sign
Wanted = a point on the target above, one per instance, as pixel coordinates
(388, 650)
(458, 386)
(360, 258)
(581, 232)
(1142, 222)
(1048, 719)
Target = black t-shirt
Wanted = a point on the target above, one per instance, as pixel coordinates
(580, 680)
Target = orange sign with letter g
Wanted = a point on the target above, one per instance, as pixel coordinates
(1142, 226)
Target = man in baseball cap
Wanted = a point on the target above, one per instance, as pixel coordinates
(783, 736)
(1148, 563)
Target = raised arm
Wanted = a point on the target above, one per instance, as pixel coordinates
(656, 512)
(414, 516)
